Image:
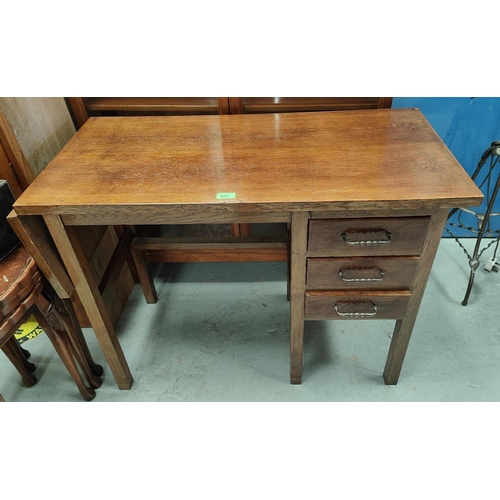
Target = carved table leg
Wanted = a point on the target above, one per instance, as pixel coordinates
(45, 315)
(26, 353)
(78, 336)
(80, 352)
(64, 320)
(62, 346)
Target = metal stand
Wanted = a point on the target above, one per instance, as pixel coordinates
(483, 228)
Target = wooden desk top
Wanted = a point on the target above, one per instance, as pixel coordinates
(372, 159)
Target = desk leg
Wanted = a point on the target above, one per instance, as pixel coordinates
(80, 274)
(298, 245)
(404, 326)
(33, 233)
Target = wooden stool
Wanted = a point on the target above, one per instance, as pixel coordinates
(24, 291)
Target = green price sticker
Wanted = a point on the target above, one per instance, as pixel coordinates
(225, 196)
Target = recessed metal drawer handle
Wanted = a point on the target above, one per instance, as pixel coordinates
(361, 280)
(367, 243)
(356, 314)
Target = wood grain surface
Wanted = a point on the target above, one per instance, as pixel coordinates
(368, 159)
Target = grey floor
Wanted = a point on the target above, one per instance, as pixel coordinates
(219, 332)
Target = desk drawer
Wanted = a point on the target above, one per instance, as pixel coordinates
(370, 236)
(379, 273)
(356, 305)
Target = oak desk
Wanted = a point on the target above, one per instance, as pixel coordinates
(366, 194)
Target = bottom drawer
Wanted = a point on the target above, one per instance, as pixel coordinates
(358, 305)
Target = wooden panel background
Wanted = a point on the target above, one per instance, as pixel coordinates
(41, 126)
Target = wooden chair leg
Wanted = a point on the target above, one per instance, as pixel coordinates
(76, 335)
(12, 350)
(26, 353)
(64, 318)
(24, 356)
(79, 347)
(62, 345)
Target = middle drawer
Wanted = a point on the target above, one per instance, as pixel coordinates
(381, 273)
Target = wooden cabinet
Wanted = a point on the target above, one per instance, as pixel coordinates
(301, 104)
(81, 108)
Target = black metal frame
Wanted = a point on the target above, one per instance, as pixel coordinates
(491, 192)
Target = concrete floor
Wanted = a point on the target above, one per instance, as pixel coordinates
(220, 332)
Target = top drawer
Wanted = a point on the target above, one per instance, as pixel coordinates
(377, 236)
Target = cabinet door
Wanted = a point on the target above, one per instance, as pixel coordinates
(83, 107)
(297, 104)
